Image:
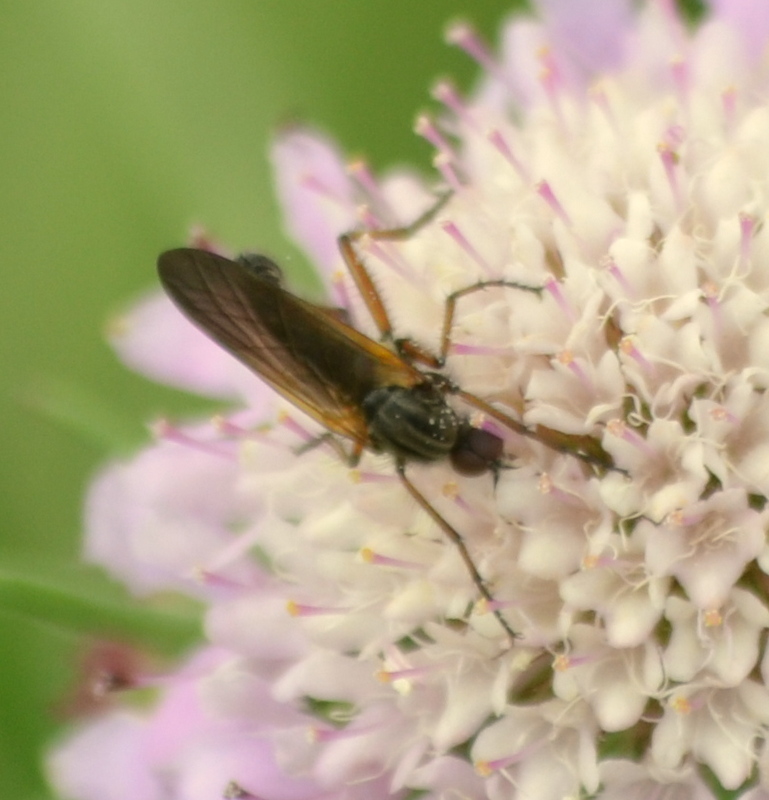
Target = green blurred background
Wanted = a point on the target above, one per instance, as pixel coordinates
(122, 123)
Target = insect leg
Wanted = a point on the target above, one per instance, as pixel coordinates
(350, 457)
(582, 446)
(365, 285)
(459, 543)
(585, 447)
(451, 305)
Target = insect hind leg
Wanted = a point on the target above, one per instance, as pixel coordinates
(459, 543)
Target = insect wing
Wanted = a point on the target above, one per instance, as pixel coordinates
(305, 352)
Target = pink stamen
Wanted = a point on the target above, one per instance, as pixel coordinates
(214, 580)
(463, 35)
(480, 420)
(563, 661)
(460, 349)
(407, 674)
(679, 69)
(367, 218)
(427, 129)
(710, 293)
(305, 610)
(377, 559)
(729, 105)
(445, 93)
(453, 231)
(500, 143)
(318, 735)
(237, 548)
(384, 253)
(599, 97)
(549, 64)
(554, 288)
(445, 166)
(566, 358)
(618, 428)
(361, 172)
(451, 490)
(361, 476)
(669, 159)
(228, 428)
(261, 434)
(685, 705)
(675, 136)
(603, 561)
(610, 265)
(673, 19)
(628, 347)
(552, 82)
(682, 519)
(747, 231)
(339, 288)
(163, 429)
(287, 421)
(547, 487)
(486, 606)
(486, 768)
(545, 191)
(312, 183)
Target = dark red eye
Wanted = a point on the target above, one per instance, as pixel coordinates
(476, 451)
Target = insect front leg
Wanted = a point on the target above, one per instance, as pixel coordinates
(454, 536)
(365, 284)
(351, 457)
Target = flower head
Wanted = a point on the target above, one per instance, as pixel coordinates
(616, 163)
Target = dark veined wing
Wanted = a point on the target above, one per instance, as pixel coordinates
(306, 352)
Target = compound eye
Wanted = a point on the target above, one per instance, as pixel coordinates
(476, 451)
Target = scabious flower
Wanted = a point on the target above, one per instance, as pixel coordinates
(619, 162)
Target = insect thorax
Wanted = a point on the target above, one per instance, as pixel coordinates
(413, 424)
